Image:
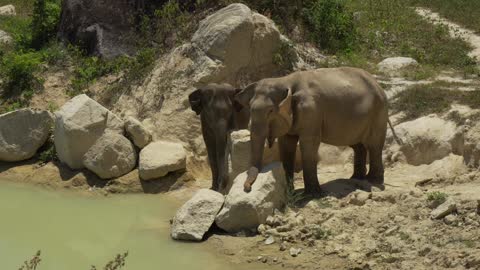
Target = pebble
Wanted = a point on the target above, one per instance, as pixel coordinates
(270, 240)
(283, 246)
(450, 219)
(294, 252)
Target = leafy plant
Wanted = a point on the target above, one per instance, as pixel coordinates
(437, 197)
(19, 70)
(117, 263)
(285, 56)
(330, 24)
(33, 263)
(46, 15)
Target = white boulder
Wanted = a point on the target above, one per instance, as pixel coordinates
(244, 211)
(159, 158)
(196, 216)
(111, 156)
(427, 139)
(79, 123)
(140, 135)
(395, 65)
(5, 38)
(8, 10)
(22, 133)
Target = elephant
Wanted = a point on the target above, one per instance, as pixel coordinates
(338, 106)
(215, 105)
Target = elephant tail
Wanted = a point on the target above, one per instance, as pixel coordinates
(397, 139)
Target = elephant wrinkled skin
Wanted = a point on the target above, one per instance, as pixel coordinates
(338, 106)
(215, 105)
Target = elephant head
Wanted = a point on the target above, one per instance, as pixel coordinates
(271, 117)
(215, 105)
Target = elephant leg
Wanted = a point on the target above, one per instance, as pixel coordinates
(309, 148)
(376, 171)
(360, 161)
(212, 157)
(288, 149)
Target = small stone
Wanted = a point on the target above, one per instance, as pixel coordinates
(275, 260)
(259, 258)
(359, 198)
(270, 240)
(391, 230)
(450, 219)
(283, 246)
(444, 209)
(300, 220)
(264, 260)
(261, 229)
(270, 220)
(294, 252)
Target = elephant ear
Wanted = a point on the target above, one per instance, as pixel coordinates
(242, 98)
(195, 100)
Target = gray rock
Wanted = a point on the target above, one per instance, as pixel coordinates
(450, 219)
(159, 158)
(5, 38)
(197, 215)
(111, 156)
(8, 10)
(359, 197)
(22, 133)
(270, 240)
(244, 210)
(140, 135)
(294, 252)
(78, 125)
(395, 65)
(444, 209)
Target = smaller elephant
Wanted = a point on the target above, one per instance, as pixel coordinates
(215, 105)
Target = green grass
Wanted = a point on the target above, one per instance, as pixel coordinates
(437, 197)
(392, 28)
(421, 100)
(464, 12)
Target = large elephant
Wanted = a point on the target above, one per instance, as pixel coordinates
(215, 105)
(338, 106)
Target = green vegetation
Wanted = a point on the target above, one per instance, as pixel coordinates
(117, 263)
(437, 197)
(46, 16)
(464, 12)
(421, 100)
(285, 57)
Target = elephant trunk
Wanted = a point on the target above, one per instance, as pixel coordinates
(257, 148)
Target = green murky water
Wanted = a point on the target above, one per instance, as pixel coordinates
(73, 232)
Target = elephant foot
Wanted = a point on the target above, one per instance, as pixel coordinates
(358, 176)
(313, 190)
(376, 180)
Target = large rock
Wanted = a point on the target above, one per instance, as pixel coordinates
(197, 215)
(105, 28)
(79, 123)
(427, 139)
(395, 65)
(241, 152)
(111, 156)
(244, 211)
(5, 38)
(234, 45)
(140, 135)
(22, 133)
(159, 158)
(8, 10)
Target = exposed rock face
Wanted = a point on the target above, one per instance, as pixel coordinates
(395, 65)
(160, 158)
(22, 132)
(427, 139)
(111, 156)
(8, 10)
(233, 45)
(5, 38)
(197, 215)
(244, 211)
(105, 28)
(140, 136)
(79, 123)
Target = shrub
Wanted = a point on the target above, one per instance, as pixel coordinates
(33, 263)
(46, 15)
(331, 24)
(285, 56)
(171, 22)
(437, 197)
(19, 70)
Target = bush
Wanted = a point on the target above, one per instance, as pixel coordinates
(331, 24)
(46, 16)
(18, 69)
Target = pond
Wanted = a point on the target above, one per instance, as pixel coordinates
(75, 231)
